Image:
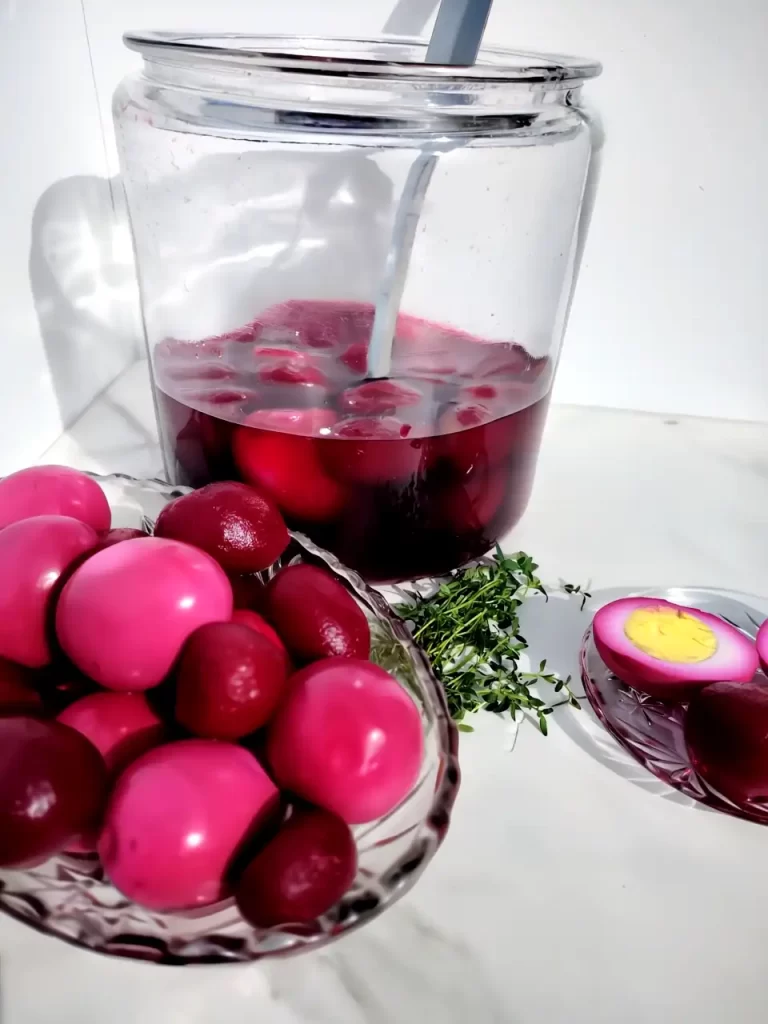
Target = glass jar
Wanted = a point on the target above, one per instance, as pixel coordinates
(355, 272)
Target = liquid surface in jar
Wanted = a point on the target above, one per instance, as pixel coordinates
(401, 477)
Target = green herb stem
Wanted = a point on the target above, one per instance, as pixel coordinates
(470, 631)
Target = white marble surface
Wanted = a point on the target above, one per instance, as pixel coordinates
(565, 892)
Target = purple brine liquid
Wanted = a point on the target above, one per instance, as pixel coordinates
(402, 477)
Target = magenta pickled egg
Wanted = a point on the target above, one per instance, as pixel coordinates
(34, 554)
(176, 819)
(726, 733)
(124, 615)
(288, 467)
(348, 738)
(669, 650)
(53, 491)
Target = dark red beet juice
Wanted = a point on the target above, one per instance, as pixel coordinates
(402, 477)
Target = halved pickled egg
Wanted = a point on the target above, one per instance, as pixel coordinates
(669, 651)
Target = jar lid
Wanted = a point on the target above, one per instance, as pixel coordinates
(358, 58)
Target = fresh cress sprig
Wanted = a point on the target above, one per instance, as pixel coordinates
(470, 631)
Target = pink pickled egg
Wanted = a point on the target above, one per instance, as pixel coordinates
(668, 650)
(300, 873)
(355, 357)
(124, 615)
(254, 621)
(316, 615)
(726, 733)
(52, 787)
(308, 422)
(122, 726)
(373, 451)
(176, 819)
(277, 352)
(293, 372)
(290, 469)
(503, 359)
(348, 738)
(762, 645)
(53, 491)
(34, 553)
(319, 323)
(219, 397)
(379, 397)
(202, 372)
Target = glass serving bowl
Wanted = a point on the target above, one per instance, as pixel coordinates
(69, 896)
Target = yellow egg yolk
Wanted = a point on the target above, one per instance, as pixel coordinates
(670, 635)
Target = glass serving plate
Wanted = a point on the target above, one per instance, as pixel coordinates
(70, 898)
(651, 731)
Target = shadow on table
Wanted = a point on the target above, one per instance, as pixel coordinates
(400, 968)
(554, 630)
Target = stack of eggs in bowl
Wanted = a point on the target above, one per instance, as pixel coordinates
(194, 718)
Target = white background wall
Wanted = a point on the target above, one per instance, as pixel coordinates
(669, 313)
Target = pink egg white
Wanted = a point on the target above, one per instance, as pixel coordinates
(669, 651)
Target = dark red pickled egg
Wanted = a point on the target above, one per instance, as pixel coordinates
(125, 613)
(315, 615)
(470, 437)
(117, 536)
(53, 491)
(18, 695)
(289, 468)
(61, 684)
(726, 733)
(229, 679)
(247, 590)
(240, 527)
(254, 621)
(300, 873)
(668, 650)
(34, 555)
(471, 503)
(178, 816)
(347, 737)
(53, 784)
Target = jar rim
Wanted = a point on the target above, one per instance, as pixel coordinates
(373, 57)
